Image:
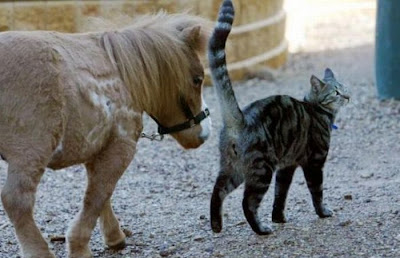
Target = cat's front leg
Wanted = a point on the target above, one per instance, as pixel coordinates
(314, 177)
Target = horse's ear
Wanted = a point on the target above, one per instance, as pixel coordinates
(192, 36)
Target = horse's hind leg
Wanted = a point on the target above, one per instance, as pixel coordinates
(103, 174)
(18, 197)
(109, 225)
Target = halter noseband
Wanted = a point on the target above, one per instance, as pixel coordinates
(189, 123)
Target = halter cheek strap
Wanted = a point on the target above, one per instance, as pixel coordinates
(193, 121)
(189, 123)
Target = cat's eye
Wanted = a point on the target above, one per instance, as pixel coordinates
(198, 80)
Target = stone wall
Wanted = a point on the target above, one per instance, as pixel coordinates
(256, 40)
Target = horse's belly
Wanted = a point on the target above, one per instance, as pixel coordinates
(76, 150)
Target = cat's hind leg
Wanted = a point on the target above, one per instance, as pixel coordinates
(257, 184)
(227, 181)
(283, 179)
(314, 178)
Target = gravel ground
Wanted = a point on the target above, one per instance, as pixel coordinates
(163, 198)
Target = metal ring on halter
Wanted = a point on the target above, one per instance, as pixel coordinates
(153, 137)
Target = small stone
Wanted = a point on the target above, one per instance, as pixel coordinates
(368, 200)
(348, 197)
(138, 243)
(198, 238)
(202, 216)
(192, 195)
(367, 175)
(241, 223)
(209, 249)
(172, 249)
(124, 252)
(345, 223)
(57, 238)
(164, 253)
(127, 232)
(151, 235)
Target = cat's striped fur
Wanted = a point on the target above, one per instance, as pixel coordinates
(277, 133)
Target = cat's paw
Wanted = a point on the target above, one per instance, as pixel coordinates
(278, 217)
(324, 212)
(263, 230)
(216, 226)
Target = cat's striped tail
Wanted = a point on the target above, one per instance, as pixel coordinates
(231, 113)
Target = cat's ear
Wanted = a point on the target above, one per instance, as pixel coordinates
(316, 84)
(329, 74)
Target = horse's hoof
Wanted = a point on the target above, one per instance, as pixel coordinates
(121, 245)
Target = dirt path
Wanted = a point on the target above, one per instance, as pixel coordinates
(163, 198)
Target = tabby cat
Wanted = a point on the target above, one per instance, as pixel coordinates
(277, 133)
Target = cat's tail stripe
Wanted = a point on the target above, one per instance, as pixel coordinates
(231, 113)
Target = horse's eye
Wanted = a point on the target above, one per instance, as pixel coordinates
(337, 93)
(198, 80)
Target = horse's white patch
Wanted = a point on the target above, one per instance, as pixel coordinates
(129, 113)
(126, 120)
(103, 102)
(104, 83)
(121, 131)
(205, 124)
(59, 147)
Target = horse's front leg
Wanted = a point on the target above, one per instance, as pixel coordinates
(109, 225)
(18, 197)
(103, 173)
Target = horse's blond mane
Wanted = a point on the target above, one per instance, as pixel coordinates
(153, 57)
